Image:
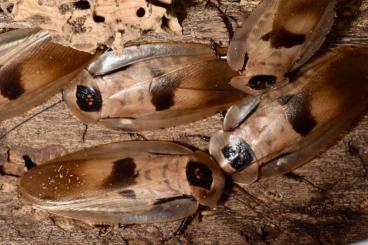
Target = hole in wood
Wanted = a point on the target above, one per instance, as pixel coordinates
(82, 4)
(98, 18)
(141, 12)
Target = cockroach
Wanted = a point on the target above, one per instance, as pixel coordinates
(33, 68)
(125, 183)
(278, 37)
(152, 86)
(275, 133)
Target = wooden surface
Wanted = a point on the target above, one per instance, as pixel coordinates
(324, 202)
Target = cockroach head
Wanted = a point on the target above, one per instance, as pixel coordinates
(205, 178)
(83, 97)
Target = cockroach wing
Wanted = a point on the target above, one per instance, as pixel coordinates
(239, 112)
(184, 94)
(344, 73)
(33, 69)
(134, 187)
(109, 62)
(278, 37)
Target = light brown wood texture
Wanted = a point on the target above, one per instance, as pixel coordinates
(324, 202)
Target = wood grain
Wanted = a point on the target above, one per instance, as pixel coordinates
(324, 202)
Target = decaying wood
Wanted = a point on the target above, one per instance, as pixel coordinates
(85, 25)
(324, 202)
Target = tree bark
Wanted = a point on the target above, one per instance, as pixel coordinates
(323, 202)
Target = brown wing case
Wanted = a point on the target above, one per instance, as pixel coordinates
(33, 69)
(125, 182)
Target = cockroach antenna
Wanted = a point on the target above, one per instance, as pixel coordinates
(28, 119)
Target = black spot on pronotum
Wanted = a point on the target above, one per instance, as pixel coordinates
(261, 82)
(162, 98)
(10, 83)
(198, 174)
(28, 162)
(238, 153)
(130, 194)
(123, 174)
(141, 12)
(88, 99)
(284, 38)
(82, 4)
(299, 114)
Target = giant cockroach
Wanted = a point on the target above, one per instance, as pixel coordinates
(126, 182)
(152, 86)
(278, 37)
(282, 130)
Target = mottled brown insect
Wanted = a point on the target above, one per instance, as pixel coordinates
(152, 86)
(32, 69)
(277, 133)
(126, 182)
(278, 37)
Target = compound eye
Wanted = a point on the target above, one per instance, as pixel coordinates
(238, 153)
(88, 99)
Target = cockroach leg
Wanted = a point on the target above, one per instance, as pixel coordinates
(184, 225)
(84, 132)
(300, 178)
(28, 119)
(225, 18)
(181, 229)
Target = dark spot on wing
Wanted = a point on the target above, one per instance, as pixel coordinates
(123, 174)
(198, 174)
(284, 38)
(88, 99)
(130, 194)
(299, 115)
(162, 98)
(238, 153)
(10, 83)
(260, 82)
(284, 99)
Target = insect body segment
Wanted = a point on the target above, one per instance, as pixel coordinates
(132, 182)
(278, 37)
(33, 68)
(292, 125)
(142, 89)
